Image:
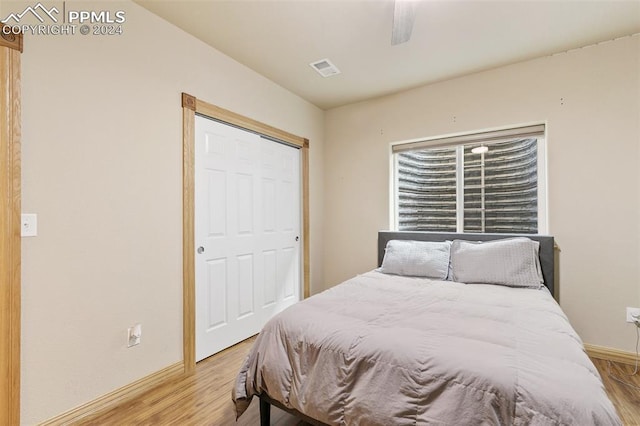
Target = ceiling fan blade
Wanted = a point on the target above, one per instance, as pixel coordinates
(404, 13)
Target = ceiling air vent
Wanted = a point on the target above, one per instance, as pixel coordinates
(325, 68)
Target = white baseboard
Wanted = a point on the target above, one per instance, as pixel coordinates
(118, 396)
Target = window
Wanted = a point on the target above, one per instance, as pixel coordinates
(484, 182)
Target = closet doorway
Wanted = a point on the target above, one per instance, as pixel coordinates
(242, 180)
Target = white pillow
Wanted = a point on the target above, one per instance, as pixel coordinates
(417, 258)
(511, 262)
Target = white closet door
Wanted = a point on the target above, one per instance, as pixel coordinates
(247, 228)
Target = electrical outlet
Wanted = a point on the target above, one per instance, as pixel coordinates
(28, 225)
(134, 335)
(633, 314)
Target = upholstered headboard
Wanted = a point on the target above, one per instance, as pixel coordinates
(546, 246)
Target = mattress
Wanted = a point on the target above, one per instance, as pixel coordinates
(381, 349)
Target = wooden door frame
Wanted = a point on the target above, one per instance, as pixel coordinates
(10, 258)
(190, 107)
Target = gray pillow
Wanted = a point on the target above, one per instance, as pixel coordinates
(511, 262)
(417, 258)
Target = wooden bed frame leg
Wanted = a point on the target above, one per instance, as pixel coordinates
(265, 413)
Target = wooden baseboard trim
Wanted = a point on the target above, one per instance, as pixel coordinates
(610, 354)
(118, 396)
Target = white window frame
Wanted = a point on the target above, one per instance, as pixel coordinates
(440, 141)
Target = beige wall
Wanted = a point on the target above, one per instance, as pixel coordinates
(589, 100)
(102, 168)
(102, 163)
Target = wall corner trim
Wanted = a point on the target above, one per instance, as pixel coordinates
(118, 396)
(11, 40)
(610, 354)
(10, 241)
(188, 101)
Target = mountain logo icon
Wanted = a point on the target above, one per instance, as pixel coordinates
(39, 11)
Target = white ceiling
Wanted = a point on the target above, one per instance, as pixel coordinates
(279, 38)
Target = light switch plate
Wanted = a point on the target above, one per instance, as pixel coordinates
(29, 225)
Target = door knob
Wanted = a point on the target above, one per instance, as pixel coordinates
(200, 250)
(297, 238)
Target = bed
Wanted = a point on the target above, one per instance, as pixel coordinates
(391, 348)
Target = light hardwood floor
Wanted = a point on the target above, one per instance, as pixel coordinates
(201, 399)
(625, 398)
(205, 397)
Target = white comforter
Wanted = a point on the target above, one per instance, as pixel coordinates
(390, 350)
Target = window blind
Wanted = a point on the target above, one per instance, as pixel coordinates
(485, 137)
